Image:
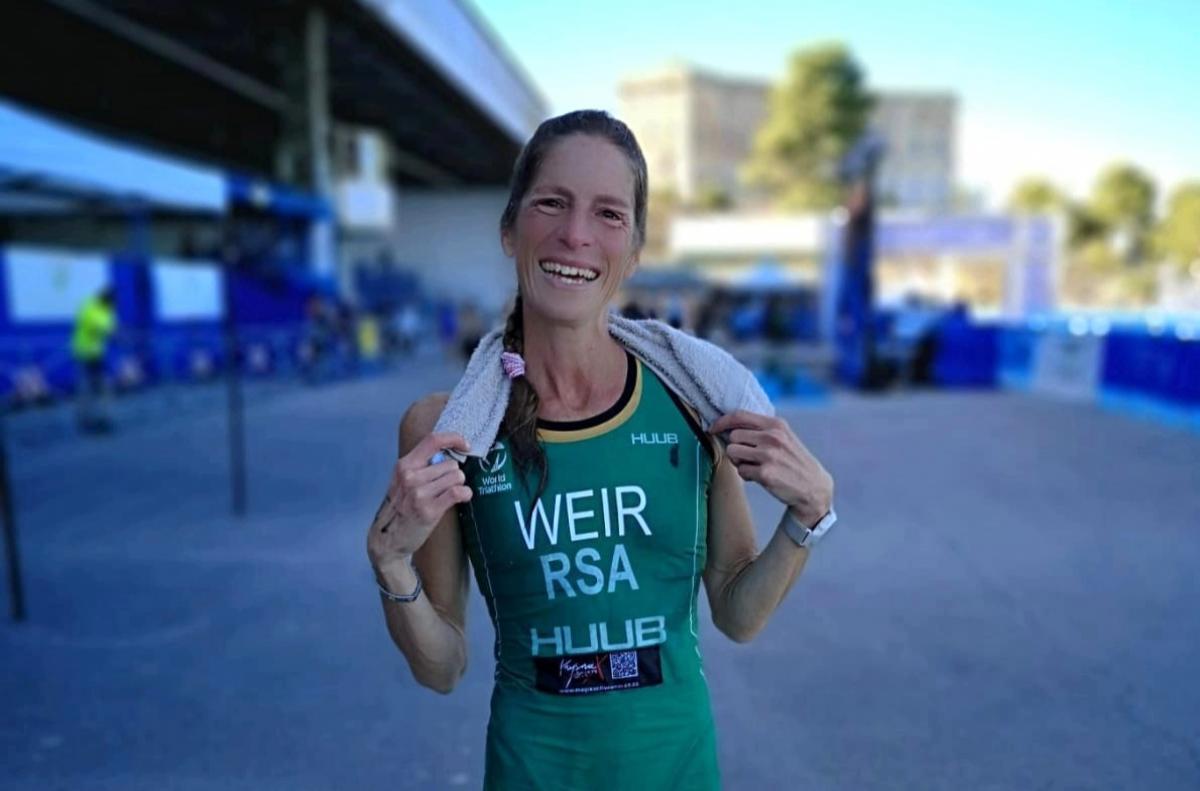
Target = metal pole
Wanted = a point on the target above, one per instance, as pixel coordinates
(233, 379)
(7, 514)
(857, 362)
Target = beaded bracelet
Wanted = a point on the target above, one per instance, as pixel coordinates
(387, 594)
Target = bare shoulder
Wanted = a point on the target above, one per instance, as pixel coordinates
(420, 418)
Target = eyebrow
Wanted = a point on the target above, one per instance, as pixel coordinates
(611, 200)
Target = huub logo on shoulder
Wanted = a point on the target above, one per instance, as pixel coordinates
(653, 438)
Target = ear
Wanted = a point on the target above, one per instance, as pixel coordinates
(506, 242)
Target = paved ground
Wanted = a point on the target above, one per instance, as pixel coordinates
(1010, 602)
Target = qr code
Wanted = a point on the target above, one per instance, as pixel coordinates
(623, 664)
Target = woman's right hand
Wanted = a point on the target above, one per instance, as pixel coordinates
(418, 496)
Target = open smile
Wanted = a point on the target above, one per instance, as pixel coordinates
(572, 274)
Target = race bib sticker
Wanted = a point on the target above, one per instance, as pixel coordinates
(584, 674)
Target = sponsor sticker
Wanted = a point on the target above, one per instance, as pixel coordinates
(585, 674)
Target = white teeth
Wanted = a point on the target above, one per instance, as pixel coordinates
(555, 268)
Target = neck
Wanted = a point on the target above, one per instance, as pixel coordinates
(577, 370)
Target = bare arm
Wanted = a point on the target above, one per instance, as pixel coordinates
(417, 520)
(743, 586)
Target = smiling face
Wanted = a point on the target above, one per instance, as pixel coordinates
(573, 239)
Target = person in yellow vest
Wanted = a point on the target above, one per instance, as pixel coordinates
(94, 325)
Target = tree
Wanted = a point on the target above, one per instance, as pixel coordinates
(1036, 195)
(711, 198)
(1124, 197)
(1177, 237)
(1123, 201)
(1083, 227)
(1088, 270)
(815, 116)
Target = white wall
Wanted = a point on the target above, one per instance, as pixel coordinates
(754, 235)
(187, 291)
(452, 239)
(50, 284)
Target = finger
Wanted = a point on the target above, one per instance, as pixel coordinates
(449, 440)
(765, 475)
(739, 419)
(748, 471)
(415, 477)
(407, 498)
(451, 497)
(424, 450)
(430, 491)
(745, 436)
(451, 477)
(746, 453)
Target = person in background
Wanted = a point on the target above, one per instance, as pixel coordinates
(633, 310)
(408, 328)
(94, 326)
(675, 311)
(317, 340)
(470, 330)
(346, 332)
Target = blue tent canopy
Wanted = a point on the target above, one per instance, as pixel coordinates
(49, 166)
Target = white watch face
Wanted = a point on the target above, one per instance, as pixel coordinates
(826, 522)
(806, 536)
(822, 527)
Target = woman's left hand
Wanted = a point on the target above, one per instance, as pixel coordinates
(766, 450)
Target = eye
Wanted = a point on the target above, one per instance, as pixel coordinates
(609, 214)
(550, 203)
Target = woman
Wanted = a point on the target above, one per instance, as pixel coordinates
(592, 519)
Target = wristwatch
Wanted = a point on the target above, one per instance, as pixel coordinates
(806, 536)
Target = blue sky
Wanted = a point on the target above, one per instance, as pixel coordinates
(1053, 88)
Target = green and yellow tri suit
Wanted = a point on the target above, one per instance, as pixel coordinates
(592, 592)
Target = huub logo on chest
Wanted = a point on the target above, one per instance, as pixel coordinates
(653, 438)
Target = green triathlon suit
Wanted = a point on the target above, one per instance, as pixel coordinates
(592, 592)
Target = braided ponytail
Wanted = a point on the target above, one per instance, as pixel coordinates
(520, 419)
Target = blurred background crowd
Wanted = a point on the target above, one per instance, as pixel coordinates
(311, 190)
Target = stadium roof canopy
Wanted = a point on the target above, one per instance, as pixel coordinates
(47, 167)
(208, 80)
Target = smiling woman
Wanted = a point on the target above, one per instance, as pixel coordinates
(593, 515)
(578, 203)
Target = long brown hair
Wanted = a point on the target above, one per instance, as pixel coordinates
(520, 420)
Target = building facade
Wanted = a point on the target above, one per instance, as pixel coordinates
(920, 132)
(698, 128)
(695, 128)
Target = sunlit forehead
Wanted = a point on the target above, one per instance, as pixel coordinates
(584, 169)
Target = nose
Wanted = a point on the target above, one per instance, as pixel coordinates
(575, 231)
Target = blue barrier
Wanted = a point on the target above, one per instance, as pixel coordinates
(791, 386)
(1145, 367)
(1015, 356)
(1163, 366)
(147, 348)
(967, 355)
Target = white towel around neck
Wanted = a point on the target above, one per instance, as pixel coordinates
(702, 374)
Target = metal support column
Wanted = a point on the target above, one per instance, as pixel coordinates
(16, 586)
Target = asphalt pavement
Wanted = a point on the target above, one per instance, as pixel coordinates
(1011, 600)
